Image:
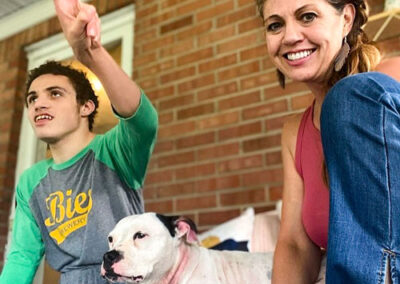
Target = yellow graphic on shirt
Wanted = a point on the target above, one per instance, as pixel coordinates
(68, 213)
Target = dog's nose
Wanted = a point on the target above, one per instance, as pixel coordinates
(111, 257)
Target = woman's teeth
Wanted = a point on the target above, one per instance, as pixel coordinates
(298, 55)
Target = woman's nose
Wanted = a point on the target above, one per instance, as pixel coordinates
(292, 33)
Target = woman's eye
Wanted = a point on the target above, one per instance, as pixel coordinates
(138, 235)
(308, 17)
(273, 27)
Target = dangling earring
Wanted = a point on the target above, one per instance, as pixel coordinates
(281, 78)
(343, 53)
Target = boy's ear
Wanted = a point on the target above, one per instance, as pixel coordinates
(87, 108)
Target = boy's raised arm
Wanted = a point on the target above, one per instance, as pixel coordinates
(81, 27)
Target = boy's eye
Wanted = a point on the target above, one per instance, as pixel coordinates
(308, 17)
(55, 93)
(31, 99)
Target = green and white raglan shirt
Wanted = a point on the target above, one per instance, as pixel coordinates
(67, 210)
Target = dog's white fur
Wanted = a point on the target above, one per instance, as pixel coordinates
(150, 255)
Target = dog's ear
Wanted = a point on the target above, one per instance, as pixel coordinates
(180, 226)
(185, 227)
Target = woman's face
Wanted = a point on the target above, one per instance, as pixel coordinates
(304, 36)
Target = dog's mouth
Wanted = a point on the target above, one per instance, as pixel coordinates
(112, 276)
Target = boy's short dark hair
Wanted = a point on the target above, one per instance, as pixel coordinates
(78, 79)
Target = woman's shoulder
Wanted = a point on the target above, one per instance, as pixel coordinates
(390, 66)
(290, 129)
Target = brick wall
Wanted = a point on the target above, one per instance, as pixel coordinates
(203, 64)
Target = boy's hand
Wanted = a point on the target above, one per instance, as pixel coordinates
(80, 24)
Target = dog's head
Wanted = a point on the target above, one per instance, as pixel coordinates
(143, 247)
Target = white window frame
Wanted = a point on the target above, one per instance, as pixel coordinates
(116, 26)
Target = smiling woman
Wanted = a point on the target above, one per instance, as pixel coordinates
(319, 43)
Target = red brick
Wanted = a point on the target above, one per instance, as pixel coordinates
(177, 48)
(237, 43)
(239, 101)
(275, 193)
(175, 159)
(159, 177)
(276, 122)
(195, 56)
(240, 163)
(243, 197)
(160, 93)
(215, 11)
(196, 83)
(240, 131)
(178, 75)
(177, 24)
(187, 204)
(177, 189)
(216, 36)
(218, 120)
(163, 146)
(192, 6)
(218, 151)
(259, 80)
(234, 17)
(273, 158)
(159, 206)
(214, 64)
(254, 52)
(260, 143)
(195, 31)
(239, 71)
(165, 118)
(176, 129)
(195, 171)
(266, 109)
(176, 102)
(220, 90)
(263, 177)
(217, 217)
(196, 140)
(194, 111)
(251, 24)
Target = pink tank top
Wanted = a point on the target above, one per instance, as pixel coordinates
(309, 159)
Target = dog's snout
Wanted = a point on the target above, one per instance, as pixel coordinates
(111, 257)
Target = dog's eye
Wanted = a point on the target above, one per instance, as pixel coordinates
(110, 239)
(139, 235)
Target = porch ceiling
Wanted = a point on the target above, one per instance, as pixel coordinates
(8, 7)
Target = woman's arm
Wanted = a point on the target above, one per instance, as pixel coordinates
(297, 259)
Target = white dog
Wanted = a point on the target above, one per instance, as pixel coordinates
(151, 248)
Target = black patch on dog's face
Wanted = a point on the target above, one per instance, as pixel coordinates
(169, 222)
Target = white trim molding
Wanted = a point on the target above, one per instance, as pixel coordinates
(27, 17)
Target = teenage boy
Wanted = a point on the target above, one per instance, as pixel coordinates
(67, 205)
